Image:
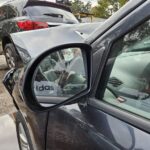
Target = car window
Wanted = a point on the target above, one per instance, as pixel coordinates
(61, 74)
(3, 13)
(11, 13)
(127, 72)
(51, 13)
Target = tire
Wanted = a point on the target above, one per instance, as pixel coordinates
(24, 139)
(11, 56)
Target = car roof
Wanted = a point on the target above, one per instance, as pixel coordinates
(46, 3)
(37, 3)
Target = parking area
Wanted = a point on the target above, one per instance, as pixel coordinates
(8, 139)
(6, 104)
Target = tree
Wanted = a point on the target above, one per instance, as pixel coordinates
(87, 7)
(78, 6)
(106, 8)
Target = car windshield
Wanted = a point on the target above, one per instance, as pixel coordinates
(55, 14)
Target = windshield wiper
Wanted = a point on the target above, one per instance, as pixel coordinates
(68, 21)
(54, 15)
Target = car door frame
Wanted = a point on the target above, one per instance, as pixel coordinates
(101, 49)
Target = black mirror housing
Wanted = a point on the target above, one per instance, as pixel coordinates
(8, 81)
(29, 73)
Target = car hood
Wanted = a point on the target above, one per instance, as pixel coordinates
(30, 44)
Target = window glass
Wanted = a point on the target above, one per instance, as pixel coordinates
(3, 13)
(11, 12)
(52, 14)
(128, 68)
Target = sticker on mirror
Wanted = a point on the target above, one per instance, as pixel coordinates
(45, 88)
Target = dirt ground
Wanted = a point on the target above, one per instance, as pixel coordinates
(8, 140)
(6, 104)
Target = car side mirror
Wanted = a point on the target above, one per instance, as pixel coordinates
(58, 76)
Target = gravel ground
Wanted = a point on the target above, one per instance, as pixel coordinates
(6, 104)
(8, 138)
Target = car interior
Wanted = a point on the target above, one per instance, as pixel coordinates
(57, 79)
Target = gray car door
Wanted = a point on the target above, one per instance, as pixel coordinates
(119, 105)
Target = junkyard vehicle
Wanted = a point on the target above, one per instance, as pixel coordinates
(97, 96)
(25, 15)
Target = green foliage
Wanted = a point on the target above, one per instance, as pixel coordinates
(104, 10)
(78, 6)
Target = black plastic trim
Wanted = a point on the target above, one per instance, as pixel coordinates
(128, 117)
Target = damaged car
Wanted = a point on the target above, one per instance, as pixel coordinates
(27, 15)
(84, 90)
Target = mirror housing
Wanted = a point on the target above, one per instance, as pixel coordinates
(8, 80)
(29, 74)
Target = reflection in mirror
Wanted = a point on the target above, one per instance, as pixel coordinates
(59, 76)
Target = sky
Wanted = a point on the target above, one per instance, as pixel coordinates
(94, 2)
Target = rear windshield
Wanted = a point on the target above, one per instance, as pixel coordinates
(54, 14)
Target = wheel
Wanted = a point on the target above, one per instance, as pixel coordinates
(23, 136)
(11, 56)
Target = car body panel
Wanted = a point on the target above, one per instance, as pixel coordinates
(35, 121)
(29, 48)
(115, 127)
(85, 128)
